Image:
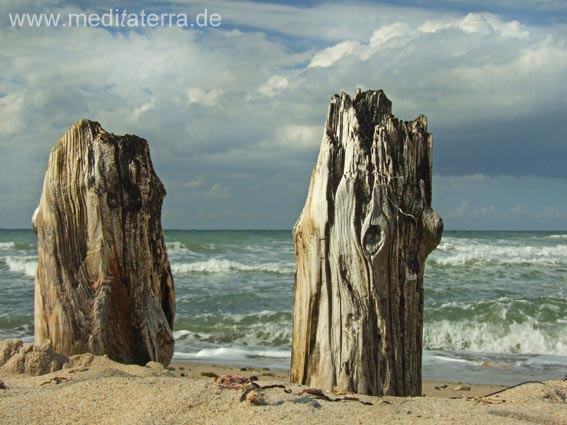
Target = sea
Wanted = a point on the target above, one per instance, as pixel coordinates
(495, 302)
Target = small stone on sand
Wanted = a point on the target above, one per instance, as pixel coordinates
(256, 398)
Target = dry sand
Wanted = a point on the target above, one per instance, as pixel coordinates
(105, 392)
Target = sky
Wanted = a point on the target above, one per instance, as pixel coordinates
(235, 114)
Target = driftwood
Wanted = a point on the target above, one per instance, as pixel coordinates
(361, 243)
(103, 283)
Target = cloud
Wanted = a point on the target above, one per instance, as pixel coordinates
(274, 86)
(195, 183)
(204, 97)
(477, 23)
(144, 107)
(218, 191)
(500, 202)
(330, 55)
(298, 137)
(234, 116)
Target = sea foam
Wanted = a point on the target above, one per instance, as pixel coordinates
(215, 265)
(478, 337)
(24, 265)
(459, 254)
(233, 353)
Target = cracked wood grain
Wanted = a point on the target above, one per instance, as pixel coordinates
(103, 282)
(361, 242)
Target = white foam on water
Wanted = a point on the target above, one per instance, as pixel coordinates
(215, 265)
(480, 337)
(458, 254)
(182, 333)
(178, 249)
(267, 313)
(557, 237)
(448, 359)
(260, 314)
(23, 265)
(175, 245)
(7, 245)
(260, 333)
(190, 337)
(232, 353)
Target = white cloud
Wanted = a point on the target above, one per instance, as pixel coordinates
(299, 136)
(400, 34)
(330, 55)
(144, 107)
(453, 69)
(231, 102)
(477, 23)
(390, 32)
(204, 97)
(274, 86)
(329, 21)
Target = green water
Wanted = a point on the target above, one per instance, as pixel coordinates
(498, 297)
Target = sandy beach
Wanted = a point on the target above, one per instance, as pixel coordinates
(205, 203)
(96, 390)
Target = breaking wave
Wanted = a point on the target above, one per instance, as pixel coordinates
(7, 245)
(177, 248)
(232, 353)
(23, 265)
(263, 329)
(215, 265)
(458, 255)
(478, 337)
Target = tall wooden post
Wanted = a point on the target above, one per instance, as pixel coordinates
(103, 282)
(361, 244)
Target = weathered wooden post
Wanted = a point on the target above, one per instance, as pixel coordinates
(103, 283)
(361, 244)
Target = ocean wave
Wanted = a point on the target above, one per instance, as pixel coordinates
(477, 337)
(215, 265)
(23, 265)
(233, 353)
(557, 237)
(432, 355)
(179, 249)
(232, 318)
(251, 330)
(506, 309)
(7, 245)
(459, 255)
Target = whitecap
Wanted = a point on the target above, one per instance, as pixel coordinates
(24, 265)
(483, 253)
(232, 353)
(177, 248)
(481, 337)
(215, 265)
(448, 359)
